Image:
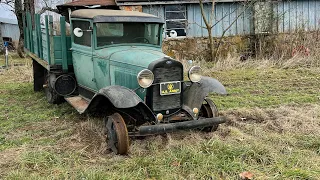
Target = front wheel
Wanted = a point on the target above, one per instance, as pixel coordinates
(117, 134)
(209, 110)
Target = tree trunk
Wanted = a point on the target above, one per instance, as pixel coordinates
(211, 45)
(19, 14)
(29, 7)
(1, 42)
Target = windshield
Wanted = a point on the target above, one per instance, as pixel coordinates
(118, 33)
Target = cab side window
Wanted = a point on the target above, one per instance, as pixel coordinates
(86, 38)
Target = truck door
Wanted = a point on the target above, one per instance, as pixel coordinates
(82, 51)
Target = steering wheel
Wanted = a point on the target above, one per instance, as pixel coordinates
(145, 40)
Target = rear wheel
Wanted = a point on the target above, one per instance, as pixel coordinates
(209, 110)
(117, 134)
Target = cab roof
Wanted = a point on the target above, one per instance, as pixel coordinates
(106, 15)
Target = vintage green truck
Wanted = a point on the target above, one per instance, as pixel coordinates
(113, 63)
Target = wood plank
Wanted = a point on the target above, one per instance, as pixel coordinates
(51, 46)
(48, 39)
(40, 61)
(63, 44)
(39, 35)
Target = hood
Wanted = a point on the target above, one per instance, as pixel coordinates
(140, 56)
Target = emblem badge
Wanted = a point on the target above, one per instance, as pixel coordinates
(170, 86)
(169, 62)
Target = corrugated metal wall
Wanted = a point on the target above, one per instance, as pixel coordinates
(296, 15)
(10, 30)
(288, 16)
(225, 15)
(225, 11)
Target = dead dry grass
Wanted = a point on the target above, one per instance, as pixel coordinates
(304, 119)
(21, 73)
(38, 140)
(231, 63)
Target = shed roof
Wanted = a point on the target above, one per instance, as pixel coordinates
(154, 2)
(8, 21)
(7, 16)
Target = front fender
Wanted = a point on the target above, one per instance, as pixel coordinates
(119, 96)
(123, 99)
(194, 94)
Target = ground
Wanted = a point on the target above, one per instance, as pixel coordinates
(273, 131)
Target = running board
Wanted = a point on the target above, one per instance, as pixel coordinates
(78, 102)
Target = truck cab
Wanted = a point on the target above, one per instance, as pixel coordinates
(110, 47)
(117, 67)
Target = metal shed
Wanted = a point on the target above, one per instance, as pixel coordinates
(8, 23)
(184, 16)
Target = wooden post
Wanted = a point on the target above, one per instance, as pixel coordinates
(30, 32)
(51, 40)
(63, 43)
(48, 39)
(39, 36)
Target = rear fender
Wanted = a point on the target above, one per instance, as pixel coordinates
(194, 95)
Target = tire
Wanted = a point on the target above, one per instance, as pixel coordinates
(117, 134)
(38, 76)
(209, 110)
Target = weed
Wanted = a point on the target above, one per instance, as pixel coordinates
(272, 131)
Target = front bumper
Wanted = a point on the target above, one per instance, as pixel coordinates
(172, 127)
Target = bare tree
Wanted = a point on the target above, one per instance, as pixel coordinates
(46, 7)
(211, 22)
(209, 26)
(1, 42)
(18, 9)
(29, 7)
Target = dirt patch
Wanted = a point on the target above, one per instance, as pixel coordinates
(302, 118)
(8, 159)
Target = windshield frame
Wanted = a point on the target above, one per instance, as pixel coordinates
(95, 38)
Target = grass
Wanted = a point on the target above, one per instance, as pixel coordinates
(268, 87)
(13, 59)
(273, 131)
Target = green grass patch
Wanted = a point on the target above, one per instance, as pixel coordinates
(268, 87)
(43, 141)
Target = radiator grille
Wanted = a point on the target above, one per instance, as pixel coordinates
(166, 74)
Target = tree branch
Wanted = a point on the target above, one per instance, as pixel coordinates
(212, 11)
(9, 3)
(44, 9)
(203, 15)
(230, 25)
(226, 16)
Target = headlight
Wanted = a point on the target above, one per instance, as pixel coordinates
(145, 78)
(195, 74)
